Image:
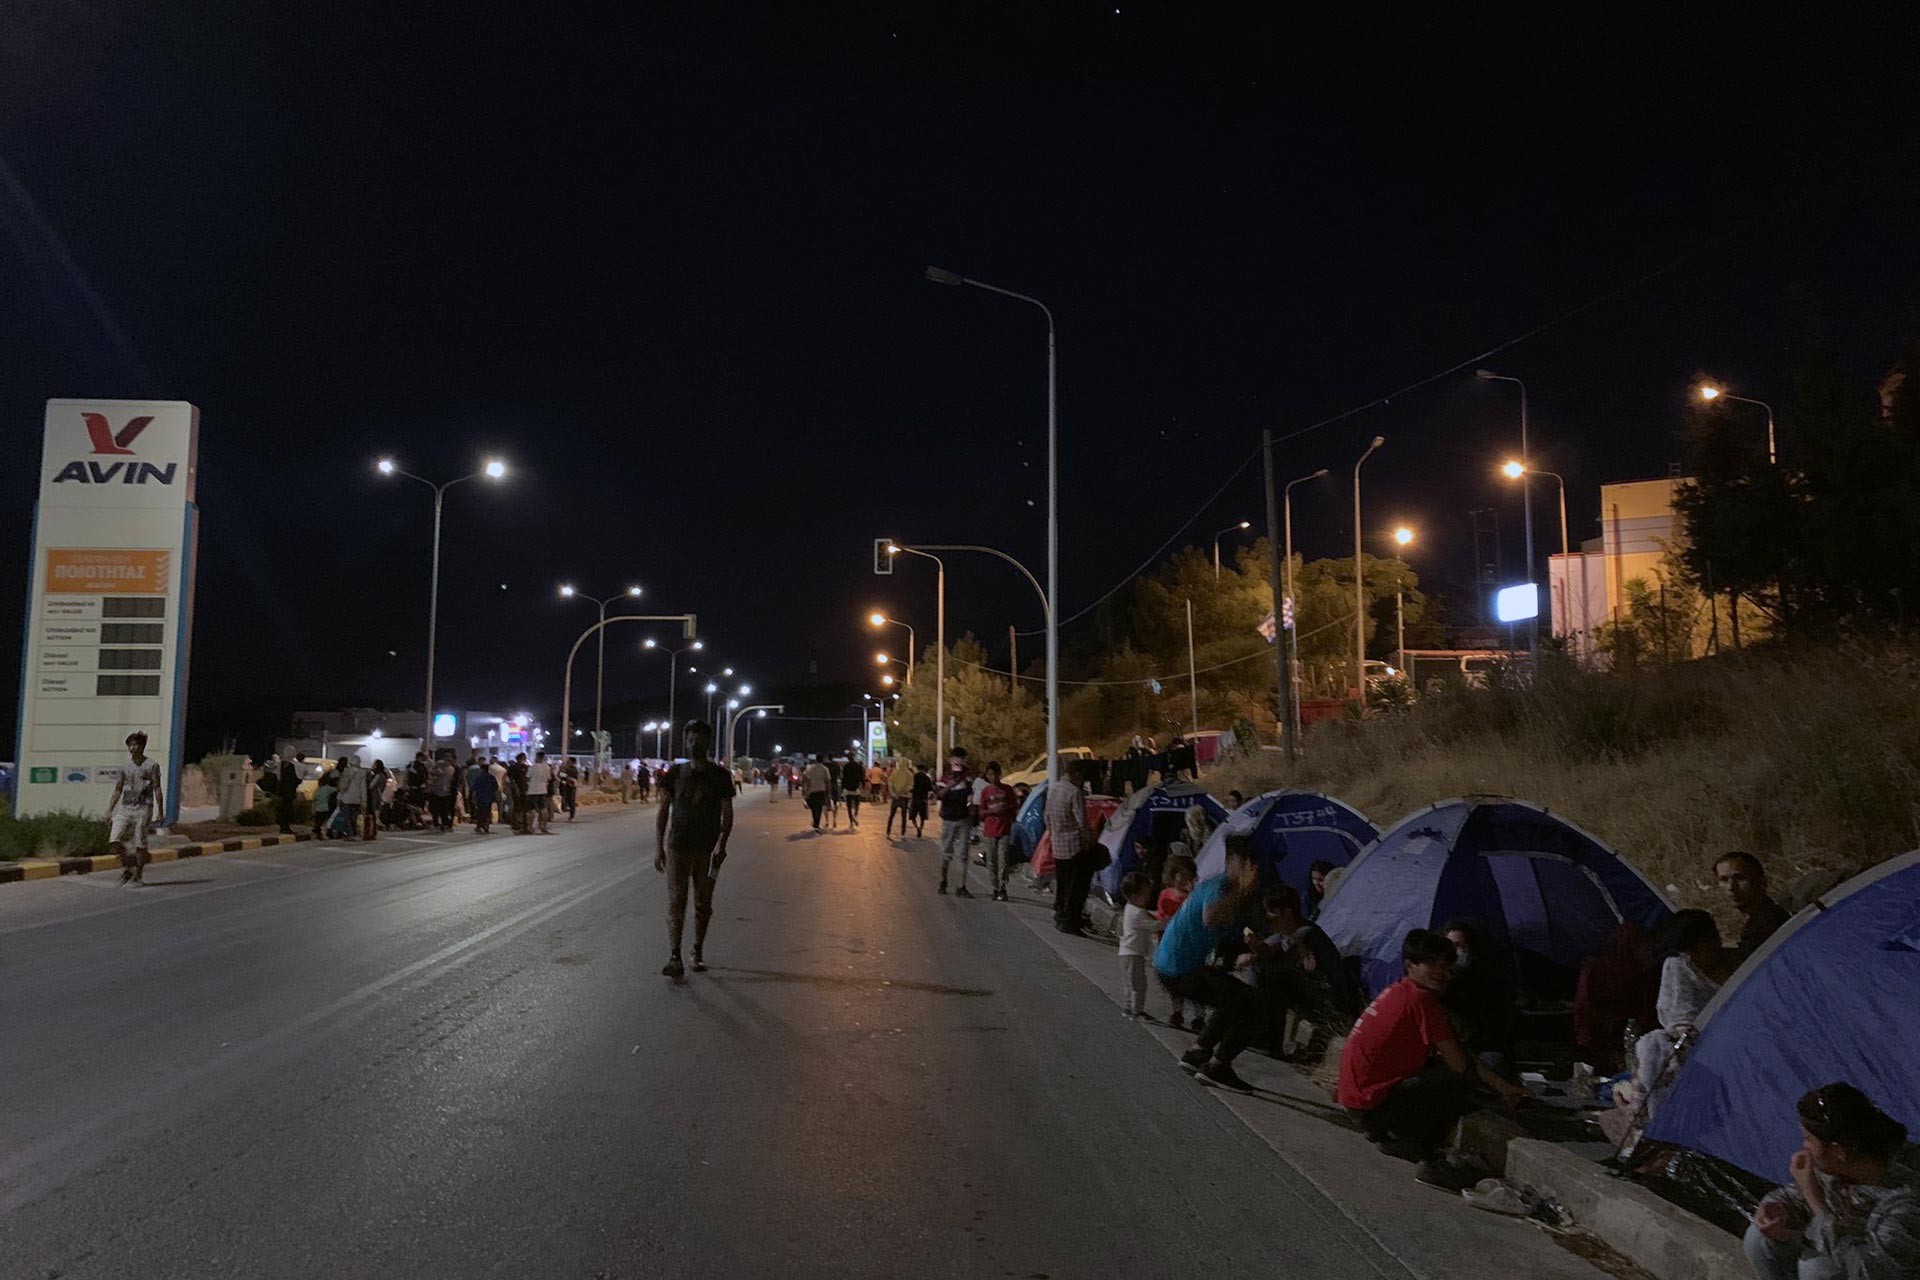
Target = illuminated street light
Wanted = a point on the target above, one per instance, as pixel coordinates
(1513, 470)
(1232, 528)
(1708, 393)
(1403, 536)
(494, 470)
(887, 679)
(879, 619)
(568, 592)
(881, 659)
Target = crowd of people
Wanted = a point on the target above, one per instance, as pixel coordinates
(356, 803)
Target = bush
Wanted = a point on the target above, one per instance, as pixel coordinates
(52, 835)
(266, 812)
(261, 815)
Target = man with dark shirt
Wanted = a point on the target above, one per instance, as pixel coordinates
(1745, 881)
(696, 817)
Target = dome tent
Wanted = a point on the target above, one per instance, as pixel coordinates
(1537, 882)
(1831, 996)
(1291, 831)
(1133, 822)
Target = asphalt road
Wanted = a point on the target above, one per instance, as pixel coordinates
(455, 1057)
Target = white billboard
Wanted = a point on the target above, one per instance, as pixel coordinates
(110, 603)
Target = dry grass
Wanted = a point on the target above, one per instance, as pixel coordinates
(1810, 760)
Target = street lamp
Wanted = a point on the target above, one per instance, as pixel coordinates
(1293, 632)
(1403, 538)
(1052, 594)
(1708, 392)
(1514, 470)
(878, 619)
(711, 690)
(939, 646)
(1526, 499)
(600, 668)
(673, 674)
(493, 469)
(1244, 524)
(1360, 582)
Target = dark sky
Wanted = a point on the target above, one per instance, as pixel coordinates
(669, 264)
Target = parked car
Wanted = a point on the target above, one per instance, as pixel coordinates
(1036, 773)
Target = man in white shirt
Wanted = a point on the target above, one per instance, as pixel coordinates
(136, 797)
(539, 784)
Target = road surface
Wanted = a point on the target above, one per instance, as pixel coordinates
(454, 1056)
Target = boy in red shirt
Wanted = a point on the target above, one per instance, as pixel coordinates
(997, 805)
(1403, 1074)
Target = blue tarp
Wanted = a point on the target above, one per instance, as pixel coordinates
(1133, 822)
(1537, 882)
(1030, 823)
(1291, 831)
(1834, 995)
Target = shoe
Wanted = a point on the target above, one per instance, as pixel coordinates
(699, 965)
(1178, 1020)
(673, 968)
(943, 886)
(1405, 1149)
(1196, 1059)
(126, 875)
(962, 892)
(1072, 932)
(1448, 1177)
(1222, 1075)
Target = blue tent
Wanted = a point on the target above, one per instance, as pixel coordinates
(1030, 823)
(1133, 822)
(1538, 883)
(1833, 995)
(1291, 831)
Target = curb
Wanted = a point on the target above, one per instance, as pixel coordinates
(49, 868)
(1664, 1238)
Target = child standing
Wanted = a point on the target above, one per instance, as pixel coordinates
(1139, 930)
(1181, 874)
(323, 796)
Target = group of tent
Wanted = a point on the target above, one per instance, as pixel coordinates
(1833, 995)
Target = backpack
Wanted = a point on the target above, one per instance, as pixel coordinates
(956, 799)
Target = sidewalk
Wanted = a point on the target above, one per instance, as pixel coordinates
(48, 868)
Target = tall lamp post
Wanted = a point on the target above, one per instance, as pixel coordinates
(1514, 469)
(1708, 392)
(492, 469)
(1293, 632)
(600, 668)
(939, 647)
(1052, 593)
(878, 619)
(687, 623)
(1360, 583)
(1402, 538)
(673, 676)
(1244, 524)
(1526, 502)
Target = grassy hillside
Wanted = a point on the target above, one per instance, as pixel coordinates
(1809, 759)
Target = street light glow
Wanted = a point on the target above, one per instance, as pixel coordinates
(1246, 524)
(1513, 470)
(887, 680)
(566, 589)
(876, 619)
(495, 469)
(1403, 535)
(746, 691)
(649, 643)
(1709, 392)
(386, 466)
(881, 659)
(892, 549)
(712, 688)
(726, 671)
(633, 591)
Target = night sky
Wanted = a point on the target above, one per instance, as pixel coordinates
(669, 265)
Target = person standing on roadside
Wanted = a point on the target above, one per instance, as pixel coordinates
(570, 788)
(136, 798)
(442, 782)
(540, 790)
(517, 785)
(696, 817)
(376, 791)
(959, 809)
(818, 782)
(922, 799)
(286, 790)
(1071, 838)
(997, 807)
(484, 790)
(353, 793)
(899, 787)
(853, 781)
(419, 773)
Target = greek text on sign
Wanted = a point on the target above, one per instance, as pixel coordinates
(133, 571)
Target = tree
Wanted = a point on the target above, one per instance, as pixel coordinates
(993, 721)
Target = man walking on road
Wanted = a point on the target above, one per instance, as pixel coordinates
(959, 810)
(852, 785)
(136, 798)
(899, 787)
(1071, 838)
(696, 817)
(539, 790)
(819, 781)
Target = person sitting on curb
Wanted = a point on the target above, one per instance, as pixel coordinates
(1853, 1212)
(1204, 920)
(1403, 1074)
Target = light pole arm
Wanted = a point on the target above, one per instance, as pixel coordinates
(1045, 608)
(734, 718)
(566, 696)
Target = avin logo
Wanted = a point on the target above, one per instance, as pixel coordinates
(105, 440)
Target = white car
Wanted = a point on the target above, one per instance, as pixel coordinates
(1036, 773)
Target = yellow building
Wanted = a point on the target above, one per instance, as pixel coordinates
(1638, 527)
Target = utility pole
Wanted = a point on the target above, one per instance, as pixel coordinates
(1283, 673)
(1013, 660)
